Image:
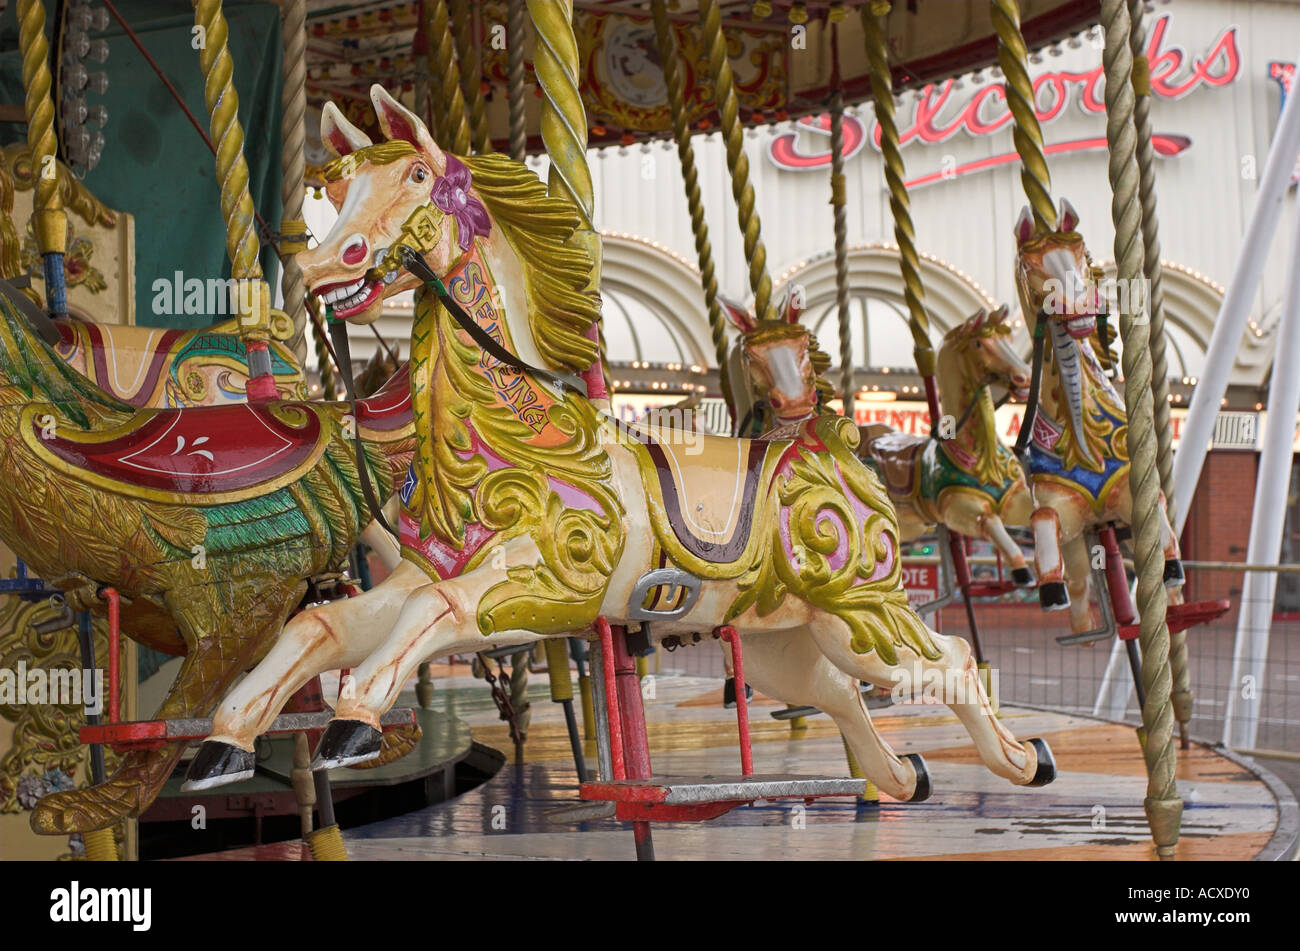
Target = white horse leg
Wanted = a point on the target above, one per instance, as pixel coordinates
(1078, 573)
(1023, 764)
(437, 618)
(997, 533)
(382, 543)
(327, 637)
(1048, 562)
(789, 666)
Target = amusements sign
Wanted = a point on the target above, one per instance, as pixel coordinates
(942, 110)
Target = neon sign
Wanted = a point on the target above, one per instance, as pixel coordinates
(985, 112)
(1284, 73)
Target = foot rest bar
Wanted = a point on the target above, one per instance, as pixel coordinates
(737, 789)
(869, 696)
(149, 732)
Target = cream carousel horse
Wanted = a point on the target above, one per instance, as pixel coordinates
(531, 514)
(1079, 464)
(968, 481)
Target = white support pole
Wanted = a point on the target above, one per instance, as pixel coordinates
(1116, 683)
(1230, 324)
(1241, 720)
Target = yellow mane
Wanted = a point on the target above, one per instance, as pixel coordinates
(556, 273)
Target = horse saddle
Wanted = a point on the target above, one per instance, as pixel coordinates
(389, 408)
(208, 451)
(896, 457)
(710, 512)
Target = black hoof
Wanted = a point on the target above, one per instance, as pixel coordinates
(729, 693)
(1174, 577)
(218, 764)
(1052, 596)
(346, 743)
(1046, 771)
(1022, 577)
(922, 792)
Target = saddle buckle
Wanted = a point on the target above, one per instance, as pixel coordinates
(671, 577)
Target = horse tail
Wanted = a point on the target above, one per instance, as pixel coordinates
(31, 366)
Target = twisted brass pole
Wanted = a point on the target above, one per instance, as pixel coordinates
(49, 220)
(882, 96)
(329, 386)
(1151, 267)
(838, 200)
(733, 134)
(1013, 58)
(428, 94)
(564, 135)
(293, 167)
(228, 136)
(1163, 807)
(446, 94)
(515, 79)
(669, 54)
(515, 26)
(471, 77)
(253, 297)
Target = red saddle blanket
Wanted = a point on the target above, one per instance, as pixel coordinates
(204, 450)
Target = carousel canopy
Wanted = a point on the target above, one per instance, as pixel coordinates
(783, 62)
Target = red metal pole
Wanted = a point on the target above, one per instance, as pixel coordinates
(932, 399)
(636, 744)
(1116, 579)
(114, 645)
(732, 637)
(611, 697)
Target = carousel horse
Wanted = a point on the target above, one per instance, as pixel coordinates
(1078, 453)
(207, 520)
(969, 481)
(529, 513)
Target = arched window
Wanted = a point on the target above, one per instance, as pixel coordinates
(877, 327)
(1191, 306)
(637, 329)
(878, 323)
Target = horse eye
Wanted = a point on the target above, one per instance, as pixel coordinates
(418, 174)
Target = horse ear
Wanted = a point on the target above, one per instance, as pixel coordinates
(977, 320)
(793, 305)
(740, 317)
(999, 316)
(398, 122)
(1024, 225)
(339, 135)
(1069, 217)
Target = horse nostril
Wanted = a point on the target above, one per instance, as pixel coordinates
(355, 251)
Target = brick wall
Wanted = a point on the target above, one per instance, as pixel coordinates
(1218, 526)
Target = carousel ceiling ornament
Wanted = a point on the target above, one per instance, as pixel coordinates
(775, 49)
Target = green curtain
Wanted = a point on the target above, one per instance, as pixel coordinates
(155, 165)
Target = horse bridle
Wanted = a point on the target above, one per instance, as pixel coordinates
(1035, 384)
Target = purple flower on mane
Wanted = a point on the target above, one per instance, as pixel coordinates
(451, 195)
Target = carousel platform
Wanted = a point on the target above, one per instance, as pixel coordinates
(1233, 809)
(428, 774)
